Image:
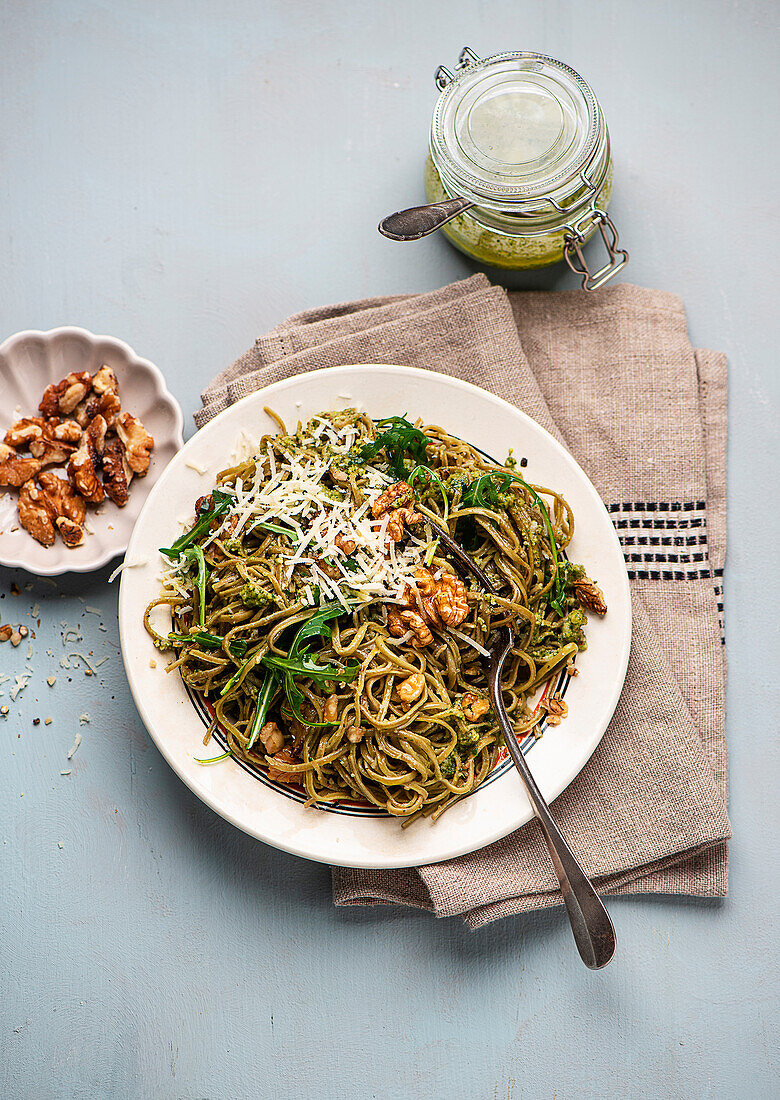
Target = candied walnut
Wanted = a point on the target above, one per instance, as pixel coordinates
(82, 467)
(442, 602)
(422, 596)
(277, 770)
(411, 688)
(395, 496)
(35, 514)
(25, 431)
(424, 579)
(64, 396)
(272, 737)
(355, 734)
(395, 623)
(451, 599)
(474, 706)
(72, 533)
(16, 469)
(398, 521)
(556, 709)
(330, 712)
(401, 622)
(590, 596)
(61, 497)
(104, 380)
(106, 405)
(347, 546)
(418, 626)
(138, 443)
(116, 473)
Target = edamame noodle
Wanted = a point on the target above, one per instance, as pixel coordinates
(316, 613)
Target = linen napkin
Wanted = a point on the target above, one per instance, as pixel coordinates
(613, 376)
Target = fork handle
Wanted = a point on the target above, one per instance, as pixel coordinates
(593, 931)
(590, 923)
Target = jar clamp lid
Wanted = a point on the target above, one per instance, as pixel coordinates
(523, 134)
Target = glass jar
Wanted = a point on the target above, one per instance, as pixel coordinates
(524, 138)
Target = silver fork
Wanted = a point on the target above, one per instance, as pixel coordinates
(590, 921)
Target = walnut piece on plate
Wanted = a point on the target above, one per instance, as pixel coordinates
(104, 380)
(25, 431)
(138, 443)
(106, 405)
(34, 514)
(49, 505)
(116, 473)
(62, 497)
(62, 397)
(16, 469)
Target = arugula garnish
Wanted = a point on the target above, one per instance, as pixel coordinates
(206, 640)
(265, 697)
(213, 759)
(275, 529)
(300, 661)
(307, 665)
(484, 493)
(221, 501)
(317, 626)
(195, 554)
(430, 478)
(398, 438)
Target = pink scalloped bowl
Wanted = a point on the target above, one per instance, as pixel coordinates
(29, 361)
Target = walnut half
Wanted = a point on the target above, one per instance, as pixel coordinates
(397, 495)
(442, 601)
(590, 596)
(401, 622)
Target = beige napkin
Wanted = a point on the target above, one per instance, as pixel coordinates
(613, 375)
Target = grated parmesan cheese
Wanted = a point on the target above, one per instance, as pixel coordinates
(127, 565)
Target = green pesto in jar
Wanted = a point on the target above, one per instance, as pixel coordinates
(523, 138)
(505, 248)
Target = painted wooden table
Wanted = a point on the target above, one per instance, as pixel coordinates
(183, 175)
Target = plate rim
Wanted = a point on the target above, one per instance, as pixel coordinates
(199, 788)
(163, 393)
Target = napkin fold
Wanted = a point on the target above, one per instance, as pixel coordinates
(613, 376)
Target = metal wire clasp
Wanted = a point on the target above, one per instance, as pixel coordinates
(443, 76)
(572, 251)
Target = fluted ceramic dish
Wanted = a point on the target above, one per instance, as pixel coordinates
(29, 362)
(350, 834)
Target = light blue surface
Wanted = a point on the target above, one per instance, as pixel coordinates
(183, 175)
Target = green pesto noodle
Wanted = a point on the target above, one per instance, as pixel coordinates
(358, 734)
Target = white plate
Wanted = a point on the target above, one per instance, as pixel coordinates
(29, 362)
(498, 807)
